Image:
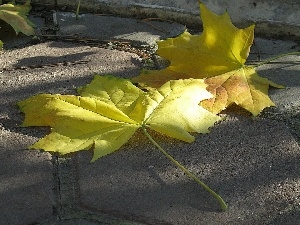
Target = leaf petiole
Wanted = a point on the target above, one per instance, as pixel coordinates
(276, 57)
(222, 203)
(77, 10)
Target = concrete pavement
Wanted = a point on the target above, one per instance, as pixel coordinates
(253, 163)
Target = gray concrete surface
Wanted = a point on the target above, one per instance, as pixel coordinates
(26, 180)
(256, 11)
(116, 28)
(252, 162)
(274, 18)
(277, 18)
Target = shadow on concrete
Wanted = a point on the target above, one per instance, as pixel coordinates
(251, 163)
(26, 181)
(50, 61)
(284, 73)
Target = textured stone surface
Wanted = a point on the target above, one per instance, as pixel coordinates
(26, 181)
(273, 18)
(26, 177)
(251, 163)
(284, 71)
(117, 28)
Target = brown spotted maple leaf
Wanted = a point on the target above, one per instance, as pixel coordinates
(218, 54)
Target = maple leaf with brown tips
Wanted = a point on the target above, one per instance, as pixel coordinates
(218, 54)
(243, 87)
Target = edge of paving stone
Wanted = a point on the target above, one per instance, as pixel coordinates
(267, 29)
(68, 208)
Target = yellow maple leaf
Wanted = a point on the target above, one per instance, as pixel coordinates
(110, 110)
(243, 87)
(16, 16)
(218, 54)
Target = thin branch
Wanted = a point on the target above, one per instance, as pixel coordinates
(276, 57)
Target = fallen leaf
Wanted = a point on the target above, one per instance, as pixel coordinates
(16, 16)
(243, 87)
(219, 54)
(111, 109)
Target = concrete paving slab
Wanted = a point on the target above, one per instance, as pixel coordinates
(116, 28)
(26, 182)
(26, 178)
(277, 18)
(251, 162)
(284, 71)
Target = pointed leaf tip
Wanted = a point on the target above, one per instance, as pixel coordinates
(218, 54)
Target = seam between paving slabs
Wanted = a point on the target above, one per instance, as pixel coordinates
(66, 190)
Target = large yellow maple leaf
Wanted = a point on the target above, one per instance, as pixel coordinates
(111, 109)
(218, 54)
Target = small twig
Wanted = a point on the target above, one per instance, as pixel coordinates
(160, 19)
(276, 57)
(161, 30)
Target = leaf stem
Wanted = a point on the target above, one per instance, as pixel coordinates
(77, 11)
(191, 175)
(276, 57)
